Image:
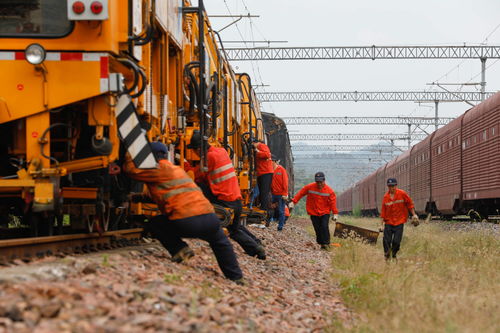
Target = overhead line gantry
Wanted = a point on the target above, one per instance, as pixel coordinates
(370, 52)
(332, 148)
(365, 120)
(372, 96)
(363, 52)
(330, 137)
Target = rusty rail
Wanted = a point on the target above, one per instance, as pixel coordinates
(343, 230)
(38, 247)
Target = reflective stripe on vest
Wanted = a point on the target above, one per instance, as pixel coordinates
(319, 193)
(394, 202)
(179, 191)
(222, 168)
(174, 182)
(223, 178)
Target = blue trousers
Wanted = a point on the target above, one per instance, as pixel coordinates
(280, 210)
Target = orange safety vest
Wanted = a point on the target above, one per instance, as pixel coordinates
(263, 160)
(175, 193)
(319, 201)
(221, 175)
(279, 185)
(395, 211)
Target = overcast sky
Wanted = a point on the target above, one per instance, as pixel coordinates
(362, 23)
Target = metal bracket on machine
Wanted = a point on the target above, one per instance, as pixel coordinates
(133, 135)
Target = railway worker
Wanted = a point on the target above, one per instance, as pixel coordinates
(394, 214)
(264, 167)
(279, 190)
(185, 213)
(220, 186)
(321, 200)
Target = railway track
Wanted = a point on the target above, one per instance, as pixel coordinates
(31, 248)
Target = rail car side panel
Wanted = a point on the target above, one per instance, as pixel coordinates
(446, 166)
(381, 189)
(481, 151)
(420, 174)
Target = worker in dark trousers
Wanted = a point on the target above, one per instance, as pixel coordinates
(186, 213)
(321, 200)
(264, 168)
(220, 185)
(395, 207)
(279, 190)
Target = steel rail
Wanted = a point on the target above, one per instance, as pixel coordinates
(37, 247)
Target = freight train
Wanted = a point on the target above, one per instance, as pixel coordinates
(454, 171)
(85, 81)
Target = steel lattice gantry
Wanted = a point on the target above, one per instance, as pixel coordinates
(372, 96)
(365, 120)
(376, 149)
(342, 156)
(364, 52)
(307, 137)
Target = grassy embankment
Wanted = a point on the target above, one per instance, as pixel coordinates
(444, 281)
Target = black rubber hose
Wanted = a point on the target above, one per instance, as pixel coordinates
(131, 65)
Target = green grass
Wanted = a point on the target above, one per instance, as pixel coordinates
(444, 281)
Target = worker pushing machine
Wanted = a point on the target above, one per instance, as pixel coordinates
(321, 200)
(220, 186)
(185, 213)
(394, 214)
(279, 190)
(265, 171)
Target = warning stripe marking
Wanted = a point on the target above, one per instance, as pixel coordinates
(132, 134)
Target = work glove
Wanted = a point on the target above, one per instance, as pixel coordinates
(414, 220)
(284, 197)
(381, 228)
(335, 217)
(291, 205)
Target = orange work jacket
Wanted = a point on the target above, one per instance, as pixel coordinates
(263, 160)
(176, 195)
(279, 185)
(221, 175)
(395, 211)
(319, 201)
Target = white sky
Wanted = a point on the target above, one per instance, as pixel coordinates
(362, 23)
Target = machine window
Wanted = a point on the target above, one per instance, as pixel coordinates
(34, 18)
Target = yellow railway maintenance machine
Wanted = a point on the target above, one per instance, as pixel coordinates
(85, 81)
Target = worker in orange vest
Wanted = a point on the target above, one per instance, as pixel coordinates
(264, 168)
(321, 200)
(394, 213)
(185, 212)
(279, 190)
(220, 186)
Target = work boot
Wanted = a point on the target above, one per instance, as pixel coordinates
(240, 282)
(325, 247)
(261, 253)
(184, 254)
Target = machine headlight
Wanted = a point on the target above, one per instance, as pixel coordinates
(35, 54)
